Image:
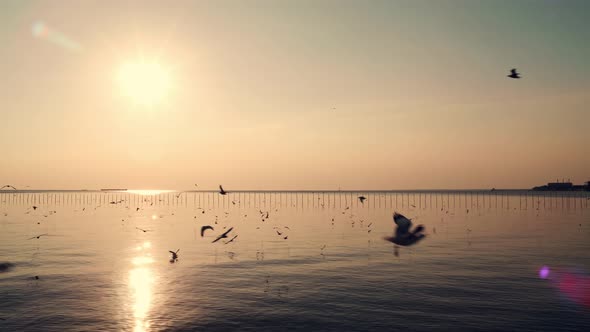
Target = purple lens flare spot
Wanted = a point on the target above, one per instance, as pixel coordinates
(544, 272)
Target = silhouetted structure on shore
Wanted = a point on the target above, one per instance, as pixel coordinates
(563, 186)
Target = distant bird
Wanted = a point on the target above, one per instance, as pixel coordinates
(37, 237)
(34, 207)
(8, 186)
(204, 228)
(513, 73)
(403, 236)
(174, 254)
(221, 191)
(362, 199)
(232, 239)
(279, 233)
(222, 236)
(5, 267)
(143, 230)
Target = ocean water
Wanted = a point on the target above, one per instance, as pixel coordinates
(491, 261)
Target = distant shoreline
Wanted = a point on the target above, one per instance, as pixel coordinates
(352, 191)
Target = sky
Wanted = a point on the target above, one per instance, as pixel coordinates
(293, 94)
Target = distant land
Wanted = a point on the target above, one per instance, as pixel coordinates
(563, 186)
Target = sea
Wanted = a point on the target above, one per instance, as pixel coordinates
(309, 261)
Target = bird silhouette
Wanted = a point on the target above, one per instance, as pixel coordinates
(38, 236)
(143, 230)
(403, 236)
(362, 199)
(174, 255)
(5, 267)
(204, 228)
(513, 73)
(8, 186)
(221, 191)
(222, 236)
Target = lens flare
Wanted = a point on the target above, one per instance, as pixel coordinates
(575, 285)
(544, 272)
(40, 30)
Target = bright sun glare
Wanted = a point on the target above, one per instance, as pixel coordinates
(146, 83)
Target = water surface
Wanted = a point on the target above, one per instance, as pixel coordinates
(318, 262)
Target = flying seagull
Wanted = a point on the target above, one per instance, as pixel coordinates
(362, 199)
(143, 230)
(204, 228)
(403, 236)
(513, 73)
(37, 237)
(221, 191)
(222, 236)
(8, 186)
(174, 254)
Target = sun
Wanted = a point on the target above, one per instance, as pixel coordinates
(146, 83)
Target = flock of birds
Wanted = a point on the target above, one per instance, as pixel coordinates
(402, 236)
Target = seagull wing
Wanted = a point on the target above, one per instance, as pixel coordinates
(226, 232)
(224, 235)
(204, 228)
(38, 236)
(172, 252)
(403, 224)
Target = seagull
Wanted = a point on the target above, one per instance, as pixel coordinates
(8, 186)
(513, 73)
(174, 254)
(37, 237)
(221, 191)
(222, 236)
(143, 230)
(5, 267)
(34, 207)
(403, 236)
(362, 199)
(204, 228)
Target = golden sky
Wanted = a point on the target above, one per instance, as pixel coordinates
(293, 94)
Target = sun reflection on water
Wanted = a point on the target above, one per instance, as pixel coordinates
(141, 280)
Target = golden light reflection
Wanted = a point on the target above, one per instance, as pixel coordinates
(149, 192)
(141, 280)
